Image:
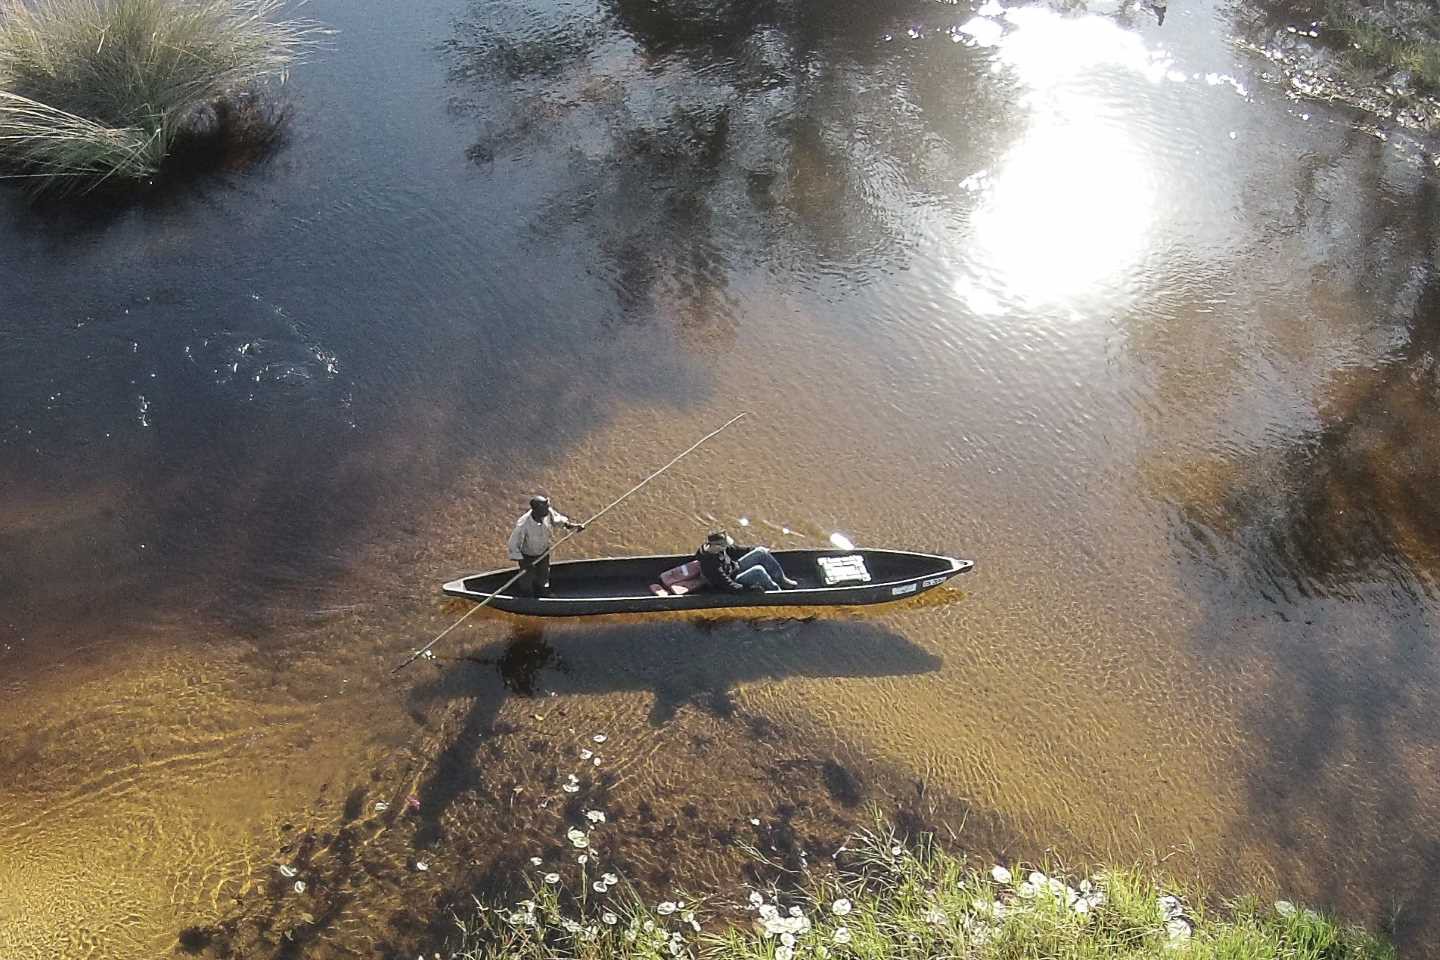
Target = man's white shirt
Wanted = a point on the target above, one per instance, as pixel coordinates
(531, 537)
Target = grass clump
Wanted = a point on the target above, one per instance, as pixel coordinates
(1410, 46)
(890, 901)
(99, 90)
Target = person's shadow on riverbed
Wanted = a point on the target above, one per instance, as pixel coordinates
(682, 663)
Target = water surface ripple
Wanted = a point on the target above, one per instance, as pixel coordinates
(1077, 295)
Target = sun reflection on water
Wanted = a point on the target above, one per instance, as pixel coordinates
(1070, 206)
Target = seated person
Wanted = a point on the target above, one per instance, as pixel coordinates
(731, 568)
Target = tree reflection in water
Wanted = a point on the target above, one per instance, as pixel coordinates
(697, 141)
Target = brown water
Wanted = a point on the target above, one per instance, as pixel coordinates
(1093, 304)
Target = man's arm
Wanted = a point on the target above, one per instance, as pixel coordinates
(564, 521)
(514, 545)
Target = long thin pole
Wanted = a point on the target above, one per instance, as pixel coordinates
(606, 509)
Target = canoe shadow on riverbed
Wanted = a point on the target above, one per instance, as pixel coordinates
(685, 663)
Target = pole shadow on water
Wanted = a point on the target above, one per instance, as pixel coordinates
(681, 664)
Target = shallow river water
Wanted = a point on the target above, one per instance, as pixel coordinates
(1085, 298)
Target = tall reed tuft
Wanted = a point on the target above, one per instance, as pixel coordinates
(99, 90)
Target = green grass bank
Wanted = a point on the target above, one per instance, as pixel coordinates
(887, 900)
(113, 91)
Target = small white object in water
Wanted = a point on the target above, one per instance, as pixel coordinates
(840, 907)
(609, 879)
(744, 521)
(754, 821)
(595, 816)
(599, 738)
(422, 865)
(666, 908)
(552, 878)
(842, 934)
(578, 838)
(381, 806)
(1232, 134)
(536, 861)
(1000, 874)
(287, 871)
(599, 886)
(609, 919)
(570, 787)
(586, 754)
(299, 886)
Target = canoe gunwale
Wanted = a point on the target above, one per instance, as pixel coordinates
(876, 591)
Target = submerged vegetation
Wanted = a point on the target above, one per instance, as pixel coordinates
(887, 900)
(94, 91)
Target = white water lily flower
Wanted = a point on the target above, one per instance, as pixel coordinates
(609, 919)
(1082, 905)
(1285, 908)
(599, 886)
(768, 911)
(896, 850)
(299, 886)
(586, 754)
(687, 916)
(536, 861)
(1177, 929)
(578, 838)
(840, 907)
(582, 859)
(381, 806)
(841, 935)
(595, 816)
(599, 738)
(596, 761)
(287, 871)
(552, 878)
(1026, 890)
(754, 821)
(999, 874)
(569, 926)
(788, 939)
(421, 865)
(570, 787)
(666, 908)
(756, 899)
(1037, 879)
(610, 879)
(784, 953)
(936, 916)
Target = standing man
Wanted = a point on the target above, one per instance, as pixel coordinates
(530, 545)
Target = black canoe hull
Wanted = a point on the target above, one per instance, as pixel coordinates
(581, 588)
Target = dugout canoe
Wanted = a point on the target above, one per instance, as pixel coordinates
(581, 588)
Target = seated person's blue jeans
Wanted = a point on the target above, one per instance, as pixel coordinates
(759, 567)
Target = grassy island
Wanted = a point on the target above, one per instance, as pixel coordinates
(98, 91)
(887, 900)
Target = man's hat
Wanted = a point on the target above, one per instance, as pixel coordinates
(719, 536)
